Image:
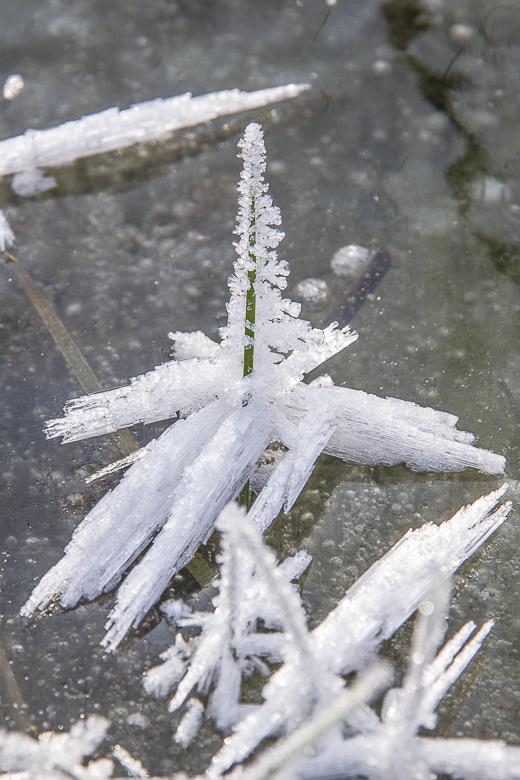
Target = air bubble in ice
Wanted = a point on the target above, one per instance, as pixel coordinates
(313, 291)
(349, 260)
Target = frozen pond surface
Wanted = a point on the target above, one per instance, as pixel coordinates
(409, 139)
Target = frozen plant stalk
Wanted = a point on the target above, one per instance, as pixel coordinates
(237, 395)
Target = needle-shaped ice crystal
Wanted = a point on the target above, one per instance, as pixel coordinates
(370, 612)
(113, 129)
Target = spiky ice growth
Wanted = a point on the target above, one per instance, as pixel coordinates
(327, 728)
(348, 739)
(168, 501)
(252, 588)
(111, 129)
(372, 609)
(56, 756)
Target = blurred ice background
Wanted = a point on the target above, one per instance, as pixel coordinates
(409, 139)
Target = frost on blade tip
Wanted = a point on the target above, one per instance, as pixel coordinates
(275, 324)
(237, 395)
(373, 608)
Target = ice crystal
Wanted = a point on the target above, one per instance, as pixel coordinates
(372, 609)
(350, 740)
(237, 395)
(57, 756)
(113, 129)
(252, 588)
(6, 234)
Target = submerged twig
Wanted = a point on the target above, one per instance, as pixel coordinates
(199, 568)
(68, 348)
(367, 281)
(11, 692)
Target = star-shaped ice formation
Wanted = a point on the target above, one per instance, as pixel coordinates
(236, 396)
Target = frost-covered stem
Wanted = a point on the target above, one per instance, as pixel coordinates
(249, 348)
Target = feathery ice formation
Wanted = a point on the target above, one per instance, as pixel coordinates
(175, 492)
(111, 129)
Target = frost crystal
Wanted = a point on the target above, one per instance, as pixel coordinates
(114, 129)
(57, 756)
(373, 609)
(6, 234)
(349, 739)
(252, 588)
(237, 395)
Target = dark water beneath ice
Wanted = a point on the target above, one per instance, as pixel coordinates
(408, 139)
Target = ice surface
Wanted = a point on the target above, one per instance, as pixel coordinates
(114, 129)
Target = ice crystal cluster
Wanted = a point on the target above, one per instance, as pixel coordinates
(327, 728)
(236, 396)
(307, 697)
(230, 400)
(56, 756)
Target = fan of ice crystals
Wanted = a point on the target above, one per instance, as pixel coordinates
(311, 677)
(349, 737)
(350, 740)
(237, 395)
